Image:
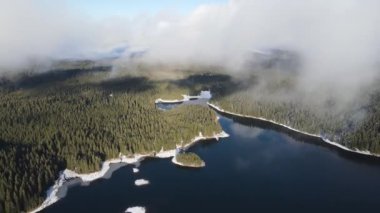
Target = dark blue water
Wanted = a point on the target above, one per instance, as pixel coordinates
(254, 170)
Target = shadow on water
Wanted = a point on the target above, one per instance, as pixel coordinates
(206, 143)
(357, 157)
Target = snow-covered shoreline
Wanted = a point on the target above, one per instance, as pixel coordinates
(52, 192)
(202, 95)
(363, 152)
(222, 134)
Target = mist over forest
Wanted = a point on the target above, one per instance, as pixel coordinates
(337, 41)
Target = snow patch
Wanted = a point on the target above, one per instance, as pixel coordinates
(165, 154)
(141, 182)
(88, 177)
(51, 194)
(135, 209)
(135, 170)
(205, 95)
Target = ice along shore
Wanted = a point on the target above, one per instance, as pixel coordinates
(327, 141)
(52, 194)
(202, 95)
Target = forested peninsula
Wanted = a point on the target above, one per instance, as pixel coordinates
(78, 118)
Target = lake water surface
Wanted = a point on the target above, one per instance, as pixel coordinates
(254, 170)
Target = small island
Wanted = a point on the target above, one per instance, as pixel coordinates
(188, 160)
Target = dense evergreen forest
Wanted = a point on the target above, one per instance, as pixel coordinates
(81, 114)
(76, 119)
(357, 127)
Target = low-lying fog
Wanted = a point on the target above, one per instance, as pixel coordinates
(333, 46)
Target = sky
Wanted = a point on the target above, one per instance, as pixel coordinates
(107, 8)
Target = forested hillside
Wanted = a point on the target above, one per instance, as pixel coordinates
(78, 118)
(358, 127)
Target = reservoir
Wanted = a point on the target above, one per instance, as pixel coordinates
(256, 169)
